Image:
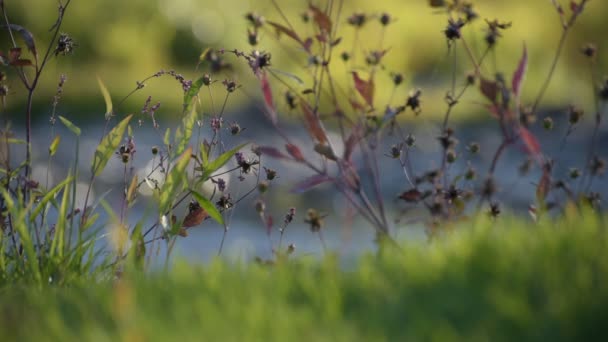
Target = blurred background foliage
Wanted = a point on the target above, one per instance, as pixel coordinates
(126, 41)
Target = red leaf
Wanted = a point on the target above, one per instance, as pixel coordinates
(282, 29)
(309, 183)
(272, 114)
(27, 37)
(352, 140)
(356, 105)
(411, 196)
(295, 152)
(14, 54)
(272, 152)
(269, 223)
(307, 44)
(321, 19)
(543, 187)
(574, 7)
(313, 124)
(520, 72)
(194, 217)
(489, 89)
(365, 88)
(529, 140)
(22, 62)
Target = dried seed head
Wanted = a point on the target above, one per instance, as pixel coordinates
(154, 150)
(473, 147)
(597, 166)
(357, 19)
(291, 248)
(291, 99)
(385, 19)
(413, 101)
(260, 206)
(345, 56)
(603, 93)
(410, 140)
(206, 79)
(471, 78)
(397, 78)
(574, 114)
(235, 128)
(252, 37)
(470, 174)
(489, 188)
(452, 31)
(263, 186)
(395, 151)
(525, 167)
(65, 45)
(548, 123)
(255, 19)
(450, 156)
(270, 173)
(589, 50)
(494, 210)
(574, 173)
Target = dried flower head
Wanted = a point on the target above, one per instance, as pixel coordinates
(65, 45)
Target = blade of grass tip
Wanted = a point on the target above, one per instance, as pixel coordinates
(106, 97)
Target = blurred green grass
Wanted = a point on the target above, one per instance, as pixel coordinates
(126, 41)
(505, 280)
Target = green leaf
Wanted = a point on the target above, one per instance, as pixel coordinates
(108, 146)
(58, 244)
(47, 197)
(67, 123)
(106, 97)
(191, 93)
(209, 207)
(167, 138)
(221, 161)
(182, 139)
(174, 179)
(54, 145)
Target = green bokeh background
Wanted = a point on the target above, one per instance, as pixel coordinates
(125, 41)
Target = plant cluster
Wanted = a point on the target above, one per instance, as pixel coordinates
(45, 234)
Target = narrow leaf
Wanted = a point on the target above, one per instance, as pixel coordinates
(489, 89)
(272, 152)
(67, 123)
(272, 114)
(282, 29)
(312, 123)
(295, 152)
(530, 142)
(191, 93)
(27, 37)
(132, 189)
(54, 145)
(321, 19)
(310, 183)
(365, 88)
(183, 139)
(520, 72)
(220, 161)
(174, 180)
(108, 145)
(543, 187)
(47, 197)
(106, 98)
(208, 207)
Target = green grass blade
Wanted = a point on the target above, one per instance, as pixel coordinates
(108, 146)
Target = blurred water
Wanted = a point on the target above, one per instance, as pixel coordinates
(247, 237)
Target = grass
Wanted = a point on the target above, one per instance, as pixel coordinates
(488, 280)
